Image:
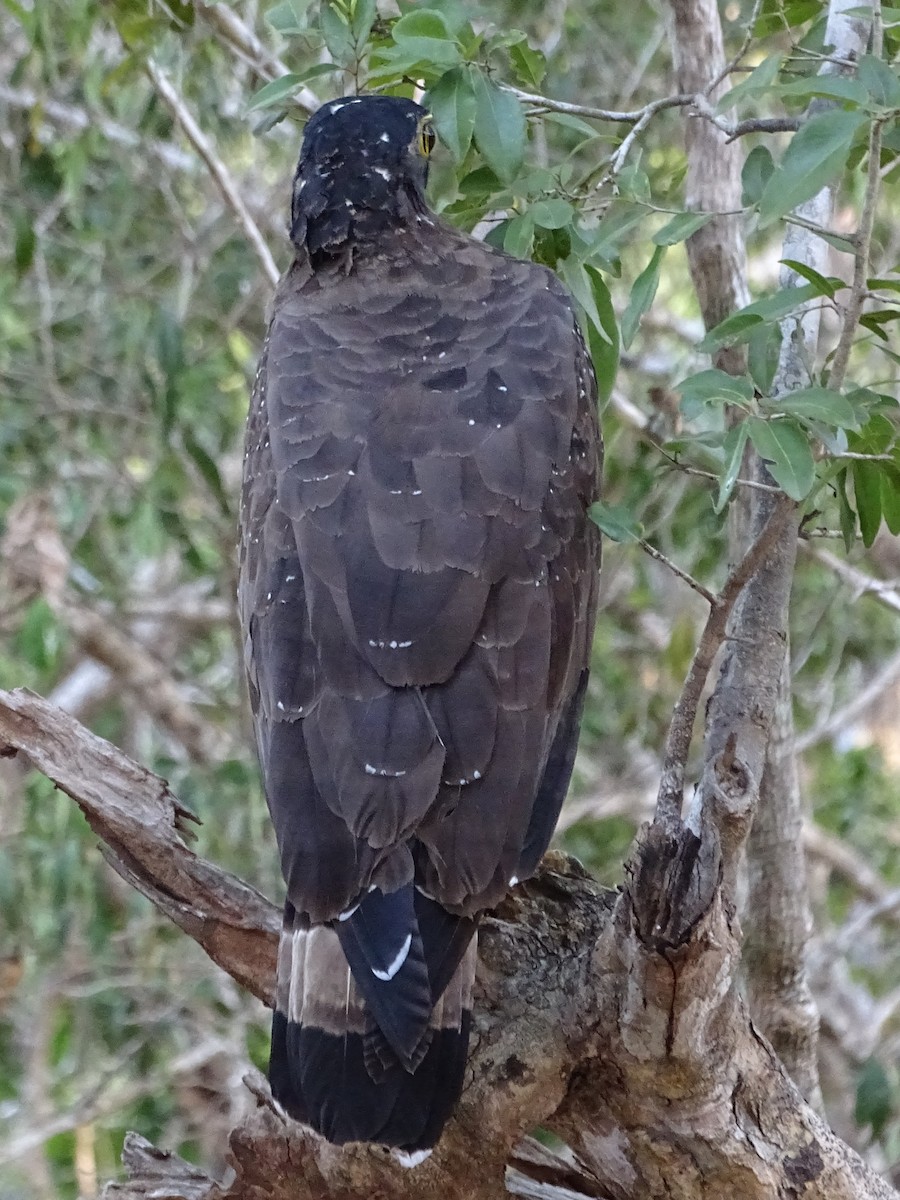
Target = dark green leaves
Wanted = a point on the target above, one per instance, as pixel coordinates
(499, 127)
(757, 172)
(815, 155)
(737, 327)
(284, 87)
(784, 447)
(818, 404)
(713, 387)
(641, 296)
(452, 101)
(423, 35)
(615, 521)
(681, 227)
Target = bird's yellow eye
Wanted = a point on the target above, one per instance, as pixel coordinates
(426, 137)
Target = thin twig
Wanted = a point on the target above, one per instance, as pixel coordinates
(658, 555)
(861, 583)
(217, 169)
(633, 116)
(735, 62)
(854, 305)
(241, 39)
(678, 740)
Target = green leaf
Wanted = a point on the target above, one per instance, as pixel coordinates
(552, 214)
(500, 130)
(874, 1097)
(890, 496)
(25, 244)
(286, 85)
(603, 343)
(634, 184)
(39, 637)
(529, 65)
(874, 321)
(757, 172)
(784, 447)
(337, 33)
(615, 521)
(362, 19)
(846, 517)
(424, 34)
(826, 287)
(452, 103)
(763, 349)
(713, 387)
(733, 450)
(208, 470)
(834, 87)
(575, 275)
(289, 16)
(876, 436)
(772, 308)
(642, 295)
(757, 83)
(867, 490)
(879, 81)
(681, 227)
(519, 236)
(815, 155)
(817, 404)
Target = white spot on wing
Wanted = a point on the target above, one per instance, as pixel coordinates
(513, 880)
(348, 913)
(397, 963)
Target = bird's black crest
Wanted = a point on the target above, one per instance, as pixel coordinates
(360, 171)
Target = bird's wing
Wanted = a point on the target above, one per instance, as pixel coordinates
(421, 455)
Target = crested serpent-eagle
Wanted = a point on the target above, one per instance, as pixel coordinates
(417, 590)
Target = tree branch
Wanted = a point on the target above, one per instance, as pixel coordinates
(217, 169)
(623, 1033)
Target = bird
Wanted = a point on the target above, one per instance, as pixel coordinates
(417, 588)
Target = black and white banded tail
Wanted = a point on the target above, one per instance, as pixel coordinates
(372, 1017)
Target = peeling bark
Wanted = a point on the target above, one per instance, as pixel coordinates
(612, 1019)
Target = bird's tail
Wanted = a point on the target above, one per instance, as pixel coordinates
(334, 1068)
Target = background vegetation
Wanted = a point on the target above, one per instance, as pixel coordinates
(132, 305)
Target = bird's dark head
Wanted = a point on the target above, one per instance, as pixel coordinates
(363, 168)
